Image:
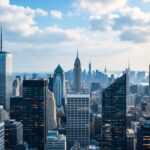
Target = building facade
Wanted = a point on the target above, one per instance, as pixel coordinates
(114, 115)
(143, 134)
(2, 138)
(55, 141)
(78, 120)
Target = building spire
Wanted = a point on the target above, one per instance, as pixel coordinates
(1, 41)
(77, 53)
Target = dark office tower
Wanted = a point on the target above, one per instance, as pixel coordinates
(149, 83)
(114, 115)
(5, 77)
(143, 134)
(13, 134)
(16, 108)
(77, 75)
(50, 83)
(59, 85)
(35, 96)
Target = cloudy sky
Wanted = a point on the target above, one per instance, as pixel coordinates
(44, 33)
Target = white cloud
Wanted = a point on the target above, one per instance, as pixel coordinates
(146, 1)
(99, 7)
(56, 14)
(4, 2)
(20, 19)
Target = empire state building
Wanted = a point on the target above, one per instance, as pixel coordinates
(77, 74)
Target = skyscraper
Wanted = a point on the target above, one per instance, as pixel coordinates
(13, 134)
(78, 120)
(77, 75)
(114, 115)
(5, 77)
(59, 86)
(35, 114)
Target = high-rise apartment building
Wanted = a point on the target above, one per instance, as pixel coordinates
(5, 77)
(114, 115)
(78, 120)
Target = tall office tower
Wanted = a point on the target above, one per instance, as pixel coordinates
(51, 110)
(78, 120)
(16, 108)
(5, 77)
(143, 134)
(114, 115)
(17, 86)
(59, 86)
(77, 75)
(55, 141)
(2, 138)
(35, 97)
(13, 134)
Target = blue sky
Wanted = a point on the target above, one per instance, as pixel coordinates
(42, 34)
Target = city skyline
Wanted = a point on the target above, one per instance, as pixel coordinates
(105, 38)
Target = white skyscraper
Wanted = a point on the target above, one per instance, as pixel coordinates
(78, 120)
(5, 77)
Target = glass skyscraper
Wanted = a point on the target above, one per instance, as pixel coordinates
(34, 114)
(59, 86)
(114, 115)
(5, 76)
(5, 79)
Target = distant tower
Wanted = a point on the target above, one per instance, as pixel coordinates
(5, 77)
(77, 74)
(59, 86)
(105, 70)
(89, 79)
